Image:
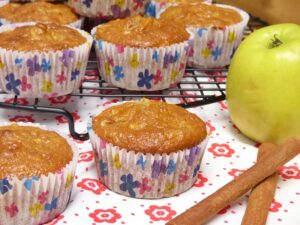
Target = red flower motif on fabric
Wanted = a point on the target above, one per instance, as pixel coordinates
(138, 4)
(275, 206)
(158, 77)
(223, 105)
(43, 197)
(235, 172)
(21, 101)
(158, 213)
(60, 99)
(105, 215)
(201, 180)
(12, 210)
(92, 185)
(56, 220)
(144, 186)
(22, 119)
(24, 84)
(110, 102)
(62, 120)
(183, 178)
(189, 99)
(223, 211)
(86, 156)
(289, 172)
(210, 127)
(61, 78)
(221, 150)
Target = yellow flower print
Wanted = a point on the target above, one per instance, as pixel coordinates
(231, 37)
(78, 65)
(174, 75)
(116, 161)
(120, 2)
(107, 69)
(134, 62)
(35, 209)
(69, 180)
(169, 188)
(205, 52)
(47, 86)
(1, 65)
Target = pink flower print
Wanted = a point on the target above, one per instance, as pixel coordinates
(223, 211)
(103, 144)
(183, 178)
(93, 185)
(105, 216)
(120, 49)
(157, 77)
(221, 150)
(160, 213)
(289, 172)
(43, 197)
(210, 44)
(201, 180)
(21, 101)
(24, 84)
(62, 120)
(12, 210)
(235, 172)
(61, 78)
(275, 206)
(86, 156)
(144, 186)
(110, 61)
(138, 4)
(22, 119)
(60, 99)
(211, 128)
(182, 66)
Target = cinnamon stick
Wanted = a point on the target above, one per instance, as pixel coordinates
(207, 208)
(261, 196)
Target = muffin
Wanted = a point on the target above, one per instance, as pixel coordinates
(39, 12)
(217, 29)
(108, 9)
(155, 7)
(37, 170)
(42, 60)
(148, 149)
(139, 53)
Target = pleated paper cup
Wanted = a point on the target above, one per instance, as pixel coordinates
(213, 47)
(108, 9)
(43, 74)
(36, 200)
(156, 7)
(148, 176)
(141, 69)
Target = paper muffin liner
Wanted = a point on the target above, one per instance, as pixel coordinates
(108, 9)
(141, 69)
(148, 176)
(43, 74)
(155, 7)
(35, 200)
(214, 47)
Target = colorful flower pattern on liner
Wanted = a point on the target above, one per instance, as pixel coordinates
(132, 186)
(36, 66)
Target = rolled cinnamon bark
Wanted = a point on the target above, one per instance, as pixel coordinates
(262, 195)
(207, 208)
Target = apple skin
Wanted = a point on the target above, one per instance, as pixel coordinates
(263, 84)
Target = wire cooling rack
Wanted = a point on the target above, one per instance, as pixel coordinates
(198, 87)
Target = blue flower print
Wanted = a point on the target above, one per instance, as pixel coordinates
(157, 168)
(171, 167)
(87, 3)
(67, 57)
(129, 184)
(45, 65)
(201, 31)
(155, 56)
(100, 44)
(103, 168)
(197, 168)
(5, 186)
(74, 74)
(52, 205)
(216, 53)
(18, 62)
(28, 182)
(176, 57)
(118, 73)
(141, 162)
(33, 66)
(12, 83)
(151, 10)
(145, 79)
(191, 157)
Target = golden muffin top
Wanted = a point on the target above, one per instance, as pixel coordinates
(41, 37)
(38, 12)
(149, 127)
(27, 151)
(141, 32)
(201, 15)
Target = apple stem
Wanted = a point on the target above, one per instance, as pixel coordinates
(276, 42)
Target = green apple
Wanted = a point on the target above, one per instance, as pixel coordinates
(263, 84)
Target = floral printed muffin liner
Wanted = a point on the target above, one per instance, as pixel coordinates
(215, 47)
(43, 74)
(155, 7)
(108, 9)
(141, 175)
(35, 200)
(141, 69)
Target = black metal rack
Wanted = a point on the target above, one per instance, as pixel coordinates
(198, 87)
